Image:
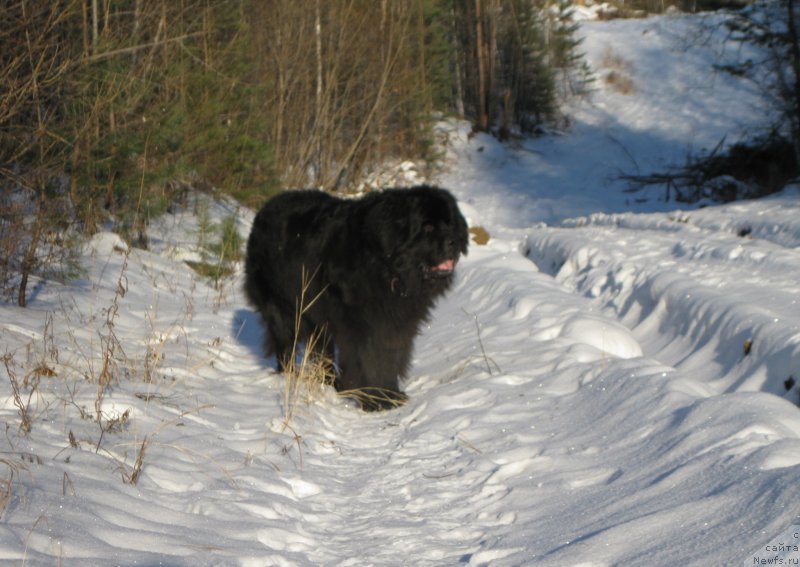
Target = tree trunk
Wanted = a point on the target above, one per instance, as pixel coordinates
(794, 49)
(29, 261)
(318, 106)
(481, 49)
(95, 26)
(456, 54)
(491, 53)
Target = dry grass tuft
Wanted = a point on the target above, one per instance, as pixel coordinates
(23, 407)
(618, 71)
(310, 371)
(110, 344)
(307, 375)
(13, 467)
(136, 472)
(376, 398)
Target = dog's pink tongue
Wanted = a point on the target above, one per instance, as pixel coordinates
(446, 266)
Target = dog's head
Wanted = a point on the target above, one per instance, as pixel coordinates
(421, 236)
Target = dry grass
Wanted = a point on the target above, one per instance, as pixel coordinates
(8, 480)
(89, 368)
(310, 371)
(376, 398)
(306, 375)
(617, 72)
(110, 344)
(96, 356)
(138, 464)
(23, 406)
(487, 360)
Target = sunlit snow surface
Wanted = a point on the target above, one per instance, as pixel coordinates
(608, 388)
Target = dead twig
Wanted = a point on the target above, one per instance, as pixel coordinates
(22, 407)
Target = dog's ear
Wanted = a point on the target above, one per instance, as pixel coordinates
(388, 228)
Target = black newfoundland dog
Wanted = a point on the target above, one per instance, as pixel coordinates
(374, 266)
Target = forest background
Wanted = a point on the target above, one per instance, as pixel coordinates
(112, 110)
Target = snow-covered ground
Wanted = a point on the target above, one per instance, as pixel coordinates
(608, 383)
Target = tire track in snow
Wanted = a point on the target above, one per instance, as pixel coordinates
(704, 301)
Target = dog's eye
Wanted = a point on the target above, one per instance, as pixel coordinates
(428, 227)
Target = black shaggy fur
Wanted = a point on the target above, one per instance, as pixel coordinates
(377, 263)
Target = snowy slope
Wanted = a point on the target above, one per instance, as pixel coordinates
(581, 397)
(678, 105)
(700, 291)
